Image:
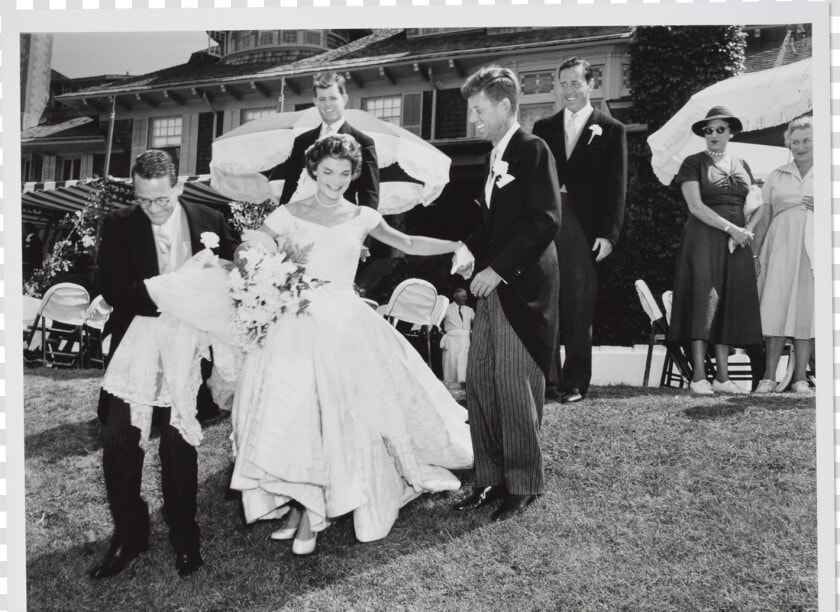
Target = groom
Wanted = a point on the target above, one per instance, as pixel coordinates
(155, 236)
(517, 288)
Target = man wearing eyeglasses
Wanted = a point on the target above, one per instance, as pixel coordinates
(155, 236)
(590, 150)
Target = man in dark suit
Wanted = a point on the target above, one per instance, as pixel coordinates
(517, 288)
(156, 235)
(330, 97)
(590, 150)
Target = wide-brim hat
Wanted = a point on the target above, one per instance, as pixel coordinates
(718, 112)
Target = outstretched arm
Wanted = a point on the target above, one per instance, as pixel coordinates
(413, 245)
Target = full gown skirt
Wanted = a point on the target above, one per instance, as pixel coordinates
(337, 411)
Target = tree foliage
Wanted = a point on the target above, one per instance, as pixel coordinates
(668, 64)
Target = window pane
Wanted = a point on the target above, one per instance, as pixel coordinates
(250, 114)
(541, 82)
(312, 37)
(266, 38)
(597, 77)
(166, 132)
(625, 76)
(387, 108)
(289, 36)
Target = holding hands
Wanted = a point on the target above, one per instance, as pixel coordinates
(808, 201)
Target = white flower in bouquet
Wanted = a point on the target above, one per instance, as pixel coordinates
(266, 286)
(88, 241)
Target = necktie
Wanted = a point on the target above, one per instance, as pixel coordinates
(164, 244)
(491, 177)
(570, 134)
(460, 314)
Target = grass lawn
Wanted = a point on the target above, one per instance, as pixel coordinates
(655, 500)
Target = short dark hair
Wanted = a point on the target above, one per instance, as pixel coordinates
(338, 146)
(153, 164)
(576, 61)
(496, 82)
(324, 80)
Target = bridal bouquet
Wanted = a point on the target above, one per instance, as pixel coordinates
(267, 283)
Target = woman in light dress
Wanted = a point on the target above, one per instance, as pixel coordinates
(337, 413)
(786, 259)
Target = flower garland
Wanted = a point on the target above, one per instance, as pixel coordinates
(82, 242)
(247, 215)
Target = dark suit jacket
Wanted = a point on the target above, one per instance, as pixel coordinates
(596, 173)
(516, 240)
(127, 256)
(363, 191)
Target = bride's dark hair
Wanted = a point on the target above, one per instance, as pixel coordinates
(339, 146)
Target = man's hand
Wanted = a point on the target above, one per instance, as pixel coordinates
(485, 282)
(603, 247)
(463, 262)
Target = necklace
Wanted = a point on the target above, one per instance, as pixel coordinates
(317, 199)
(716, 154)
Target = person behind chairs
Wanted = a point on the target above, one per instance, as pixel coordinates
(590, 149)
(155, 236)
(330, 98)
(455, 344)
(786, 258)
(715, 291)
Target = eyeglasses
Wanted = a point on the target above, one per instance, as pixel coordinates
(147, 203)
(708, 131)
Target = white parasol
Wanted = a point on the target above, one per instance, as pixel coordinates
(760, 100)
(242, 154)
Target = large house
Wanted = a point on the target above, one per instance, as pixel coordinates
(407, 76)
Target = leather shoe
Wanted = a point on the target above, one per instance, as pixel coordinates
(187, 563)
(572, 396)
(209, 421)
(513, 505)
(481, 496)
(117, 558)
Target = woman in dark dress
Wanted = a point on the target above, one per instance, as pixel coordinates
(715, 292)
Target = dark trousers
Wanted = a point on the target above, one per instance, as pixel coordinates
(505, 398)
(122, 460)
(578, 291)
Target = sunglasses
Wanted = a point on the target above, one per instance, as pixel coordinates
(708, 131)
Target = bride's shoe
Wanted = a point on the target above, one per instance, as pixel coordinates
(304, 543)
(288, 531)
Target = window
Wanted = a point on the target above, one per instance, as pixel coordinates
(625, 77)
(26, 169)
(537, 82)
(312, 37)
(387, 108)
(598, 77)
(71, 168)
(289, 36)
(266, 38)
(166, 132)
(412, 118)
(249, 114)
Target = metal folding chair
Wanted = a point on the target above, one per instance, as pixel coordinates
(414, 301)
(59, 322)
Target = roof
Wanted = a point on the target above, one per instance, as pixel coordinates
(381, 48)
(792, 51)
(73, 128)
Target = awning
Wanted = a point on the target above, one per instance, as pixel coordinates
(46, 203)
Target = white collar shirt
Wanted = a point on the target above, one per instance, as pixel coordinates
(497, 154)
(327, 130)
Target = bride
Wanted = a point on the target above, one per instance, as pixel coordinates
(337, 413)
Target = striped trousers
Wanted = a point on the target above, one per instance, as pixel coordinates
(505, 397)
(122, 460)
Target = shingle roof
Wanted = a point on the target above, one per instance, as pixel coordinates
(73, 128)
(793, 52)
(379, 48)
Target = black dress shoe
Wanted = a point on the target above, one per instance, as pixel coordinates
(187, 563)
(572, 396)
(481, 496)
(513, 505)
(117, 558)
(210, 420)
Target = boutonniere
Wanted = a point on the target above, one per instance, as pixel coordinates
(210, 240)
(596, 131)
(500, 169)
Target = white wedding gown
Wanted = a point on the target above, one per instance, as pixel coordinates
(337, 411)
